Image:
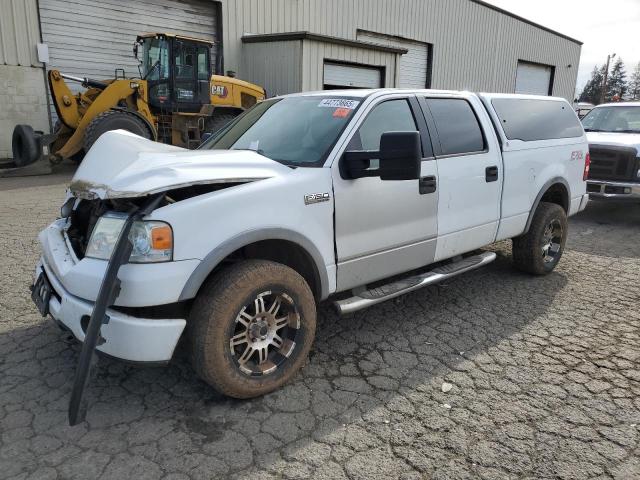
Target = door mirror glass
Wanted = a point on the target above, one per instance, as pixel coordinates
(399, 158)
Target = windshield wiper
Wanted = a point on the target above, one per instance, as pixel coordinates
(593, 130)
(627, 131)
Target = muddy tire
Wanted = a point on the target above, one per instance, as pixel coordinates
(251, 328)
(24, 145)
(539, 250)
(114, 120)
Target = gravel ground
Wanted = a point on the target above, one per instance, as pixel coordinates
(545, 376)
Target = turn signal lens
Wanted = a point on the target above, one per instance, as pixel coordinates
(161, 238)
(587, 165)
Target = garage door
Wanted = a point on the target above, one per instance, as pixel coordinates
(338, 75)
(414, 65)
(533, 78)
(90, 38)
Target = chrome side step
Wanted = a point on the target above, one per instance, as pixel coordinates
(370, 297)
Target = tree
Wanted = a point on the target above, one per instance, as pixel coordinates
(634, 84)
(617, 82)
(593, 89)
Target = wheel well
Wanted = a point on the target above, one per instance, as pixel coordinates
(282, 251)
(558, 194)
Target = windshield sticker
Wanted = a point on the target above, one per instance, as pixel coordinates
(339, 103)
(341, 112)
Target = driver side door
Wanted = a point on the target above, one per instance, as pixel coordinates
(385, 227)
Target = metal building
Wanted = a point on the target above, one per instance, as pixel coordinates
(284, 45)
(452, 44)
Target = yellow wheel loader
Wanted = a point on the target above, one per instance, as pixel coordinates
(176, 100)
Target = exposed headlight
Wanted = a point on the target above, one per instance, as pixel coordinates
(152, 240)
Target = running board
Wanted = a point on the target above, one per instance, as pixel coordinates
(370, 297)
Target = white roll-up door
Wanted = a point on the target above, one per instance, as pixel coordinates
(533, 79)
(351, 76)
(414, 64)
(91, 38)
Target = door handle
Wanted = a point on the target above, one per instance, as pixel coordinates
(427, 184)
(491, 173)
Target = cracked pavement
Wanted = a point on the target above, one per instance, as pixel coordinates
(545, 374)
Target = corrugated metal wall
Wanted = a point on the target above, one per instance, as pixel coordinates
(315, 53)
(19, 32)
(274, 65)
(474, 47)
(93, 37)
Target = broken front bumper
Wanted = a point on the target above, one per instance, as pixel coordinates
(613, 190)
(125, 337)
(75, 284)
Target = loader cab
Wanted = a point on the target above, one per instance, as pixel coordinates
(177, 70)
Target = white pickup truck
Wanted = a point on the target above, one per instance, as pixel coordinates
(302, 198)
(613, 131)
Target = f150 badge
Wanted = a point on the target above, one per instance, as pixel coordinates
(316, 198)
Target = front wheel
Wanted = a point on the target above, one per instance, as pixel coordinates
(539, 250)
(251, 328)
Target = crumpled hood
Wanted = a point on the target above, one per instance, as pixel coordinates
(621, 139)
(123, 165)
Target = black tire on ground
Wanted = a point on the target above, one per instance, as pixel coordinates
(114, 120)
(539, 250)
(227, 310)
(24, 145)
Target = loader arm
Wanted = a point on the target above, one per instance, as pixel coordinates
(129, 91)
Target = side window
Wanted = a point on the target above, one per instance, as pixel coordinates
(530, 120)
(458, 128)
(203, 65)
(389, 116)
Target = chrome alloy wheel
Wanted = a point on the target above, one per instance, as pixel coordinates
(265, 333)
(552, 242)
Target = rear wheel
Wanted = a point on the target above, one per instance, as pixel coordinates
(251, 328)
(114, 120)
(539, 250)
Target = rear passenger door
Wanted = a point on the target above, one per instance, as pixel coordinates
(469, 173)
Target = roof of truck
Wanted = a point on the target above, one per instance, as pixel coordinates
(365, 92)
(619, 104)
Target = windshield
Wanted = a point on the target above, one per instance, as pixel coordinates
(613, 119)
(296, 131)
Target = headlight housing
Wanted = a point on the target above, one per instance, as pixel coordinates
(152, 240)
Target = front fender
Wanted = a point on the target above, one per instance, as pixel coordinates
(213, 259)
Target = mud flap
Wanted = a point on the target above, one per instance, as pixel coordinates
(109, 291)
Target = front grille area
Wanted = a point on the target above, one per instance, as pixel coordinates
(613, 163)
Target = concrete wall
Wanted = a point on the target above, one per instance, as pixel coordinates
(22, 100)
(22, 85)
(474, 47)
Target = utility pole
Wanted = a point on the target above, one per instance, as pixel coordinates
(606, 77)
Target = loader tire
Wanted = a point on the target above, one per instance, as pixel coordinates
(251, 328)
(114, 120)
(539, 250)
(219, 121)
(24, 145)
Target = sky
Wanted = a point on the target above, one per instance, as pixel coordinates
(605, 27)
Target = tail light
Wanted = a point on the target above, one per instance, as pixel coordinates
(587, 165)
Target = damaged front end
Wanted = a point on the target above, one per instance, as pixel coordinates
(107, 295)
